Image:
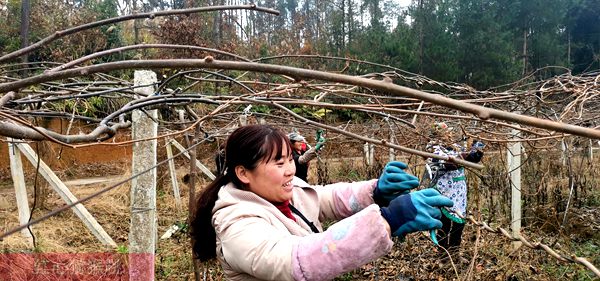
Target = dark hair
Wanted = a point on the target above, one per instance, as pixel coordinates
(246, 146)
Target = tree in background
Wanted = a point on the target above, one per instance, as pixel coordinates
(24, 30)
(106, 9)
(584, 28)
(46, 17)
(9, 33)
(482, 43)
(437, 44)
(486, 56)
(539, 32)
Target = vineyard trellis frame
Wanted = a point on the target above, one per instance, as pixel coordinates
(16, 149)
(575, 118)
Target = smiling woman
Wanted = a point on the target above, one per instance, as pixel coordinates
(263, 223)
(276, 170)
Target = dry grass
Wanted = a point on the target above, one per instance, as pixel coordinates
(414, 259)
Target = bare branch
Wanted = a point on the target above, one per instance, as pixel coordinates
(480, 111)
(151, 15)
(142, 46)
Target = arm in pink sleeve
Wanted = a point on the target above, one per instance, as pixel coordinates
(341, 200)
(346, 245)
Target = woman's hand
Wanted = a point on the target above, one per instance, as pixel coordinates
(416, 211)
(393, 182)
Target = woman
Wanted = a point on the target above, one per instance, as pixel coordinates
(302, 155)
(450, 180)
(262, 223)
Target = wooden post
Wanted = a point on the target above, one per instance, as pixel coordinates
(515, 150)
(173, 174)
(66, 195)
(142, 231)
(414, 120)
(16, 170)
(199, 164)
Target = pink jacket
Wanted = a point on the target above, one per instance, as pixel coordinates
(256, 241)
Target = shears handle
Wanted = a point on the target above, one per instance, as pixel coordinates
(433, 237)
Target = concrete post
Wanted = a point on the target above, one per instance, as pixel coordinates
(366, 151)
(371, 153)
(142, 231)
(513, 156)
(243, 120)
(563, 148)
(591, 149)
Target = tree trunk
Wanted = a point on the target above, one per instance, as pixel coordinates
(136, 24)
(524, 52)
(218, 25)
(343, 45)
(569, 49)
(24, 30)
(421, 41)
(350, 20)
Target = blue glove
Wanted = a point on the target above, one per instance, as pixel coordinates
(393, 182)
(478, 145)
(416, 211)
(476, 152)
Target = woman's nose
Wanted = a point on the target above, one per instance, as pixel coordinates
(290, 168)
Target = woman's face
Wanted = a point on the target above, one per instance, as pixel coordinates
(297, 145)
(272, 180)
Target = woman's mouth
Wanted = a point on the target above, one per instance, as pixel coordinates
(288, 186)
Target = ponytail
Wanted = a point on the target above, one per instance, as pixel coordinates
(203, 232)
(246, 146)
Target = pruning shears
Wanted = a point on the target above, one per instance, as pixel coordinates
(433, 237)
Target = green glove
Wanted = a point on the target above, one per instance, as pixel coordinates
(320, 144)
(320, 140)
